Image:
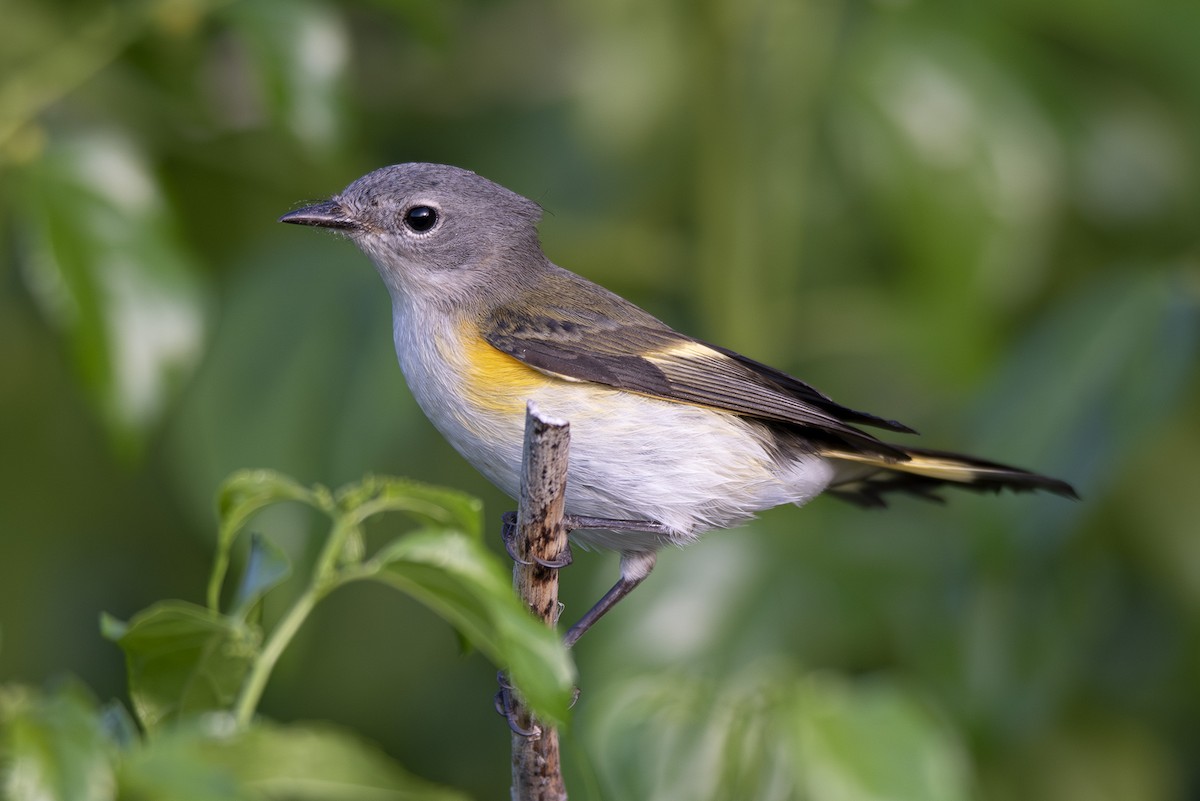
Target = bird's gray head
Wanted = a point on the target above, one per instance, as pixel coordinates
(433, 228)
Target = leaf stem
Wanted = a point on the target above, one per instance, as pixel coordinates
(325, 577)
(279, 640)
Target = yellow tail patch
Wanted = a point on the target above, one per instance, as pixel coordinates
(941, 468)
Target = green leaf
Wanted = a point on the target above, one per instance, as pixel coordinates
(457, 577)
(434, 506)
(176, 767)
(183, 660)
(210, 760)
(240, 496)
(52, 746)
(316, 762)
(267, 567)
(870, 741)
(110, 271)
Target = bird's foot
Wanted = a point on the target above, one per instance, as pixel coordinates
(508, 533)
(507, 708)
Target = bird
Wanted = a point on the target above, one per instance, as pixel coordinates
(671, 436)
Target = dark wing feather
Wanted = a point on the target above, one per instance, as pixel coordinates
(627, 349)
(802, 390)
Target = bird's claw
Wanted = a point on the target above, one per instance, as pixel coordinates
(508, 534)
(564, 559)
(506, 708)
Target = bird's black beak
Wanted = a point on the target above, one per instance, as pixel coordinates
(329, 214)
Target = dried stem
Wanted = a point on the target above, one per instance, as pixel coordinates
(540, 535)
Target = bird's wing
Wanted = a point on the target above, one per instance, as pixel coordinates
(627, 349)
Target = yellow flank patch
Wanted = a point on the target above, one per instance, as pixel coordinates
(491, 379)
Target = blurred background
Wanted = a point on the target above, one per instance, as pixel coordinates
(977, 218)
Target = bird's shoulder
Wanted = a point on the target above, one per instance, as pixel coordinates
(573, 328)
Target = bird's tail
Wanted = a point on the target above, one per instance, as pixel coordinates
(865, 479)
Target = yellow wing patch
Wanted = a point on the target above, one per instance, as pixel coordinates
(684, 351)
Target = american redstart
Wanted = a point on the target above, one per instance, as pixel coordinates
(670, 436)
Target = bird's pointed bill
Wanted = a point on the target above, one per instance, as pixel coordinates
(327, 214)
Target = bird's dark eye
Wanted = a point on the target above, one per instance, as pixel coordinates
(420, 218)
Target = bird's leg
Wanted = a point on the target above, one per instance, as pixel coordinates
(508, 533)
(635, 566)
(574, 522)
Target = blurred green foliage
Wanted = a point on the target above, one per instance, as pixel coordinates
(62, 744)
(978, 218)
(197, 673)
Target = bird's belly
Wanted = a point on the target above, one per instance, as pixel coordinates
(632, 457)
